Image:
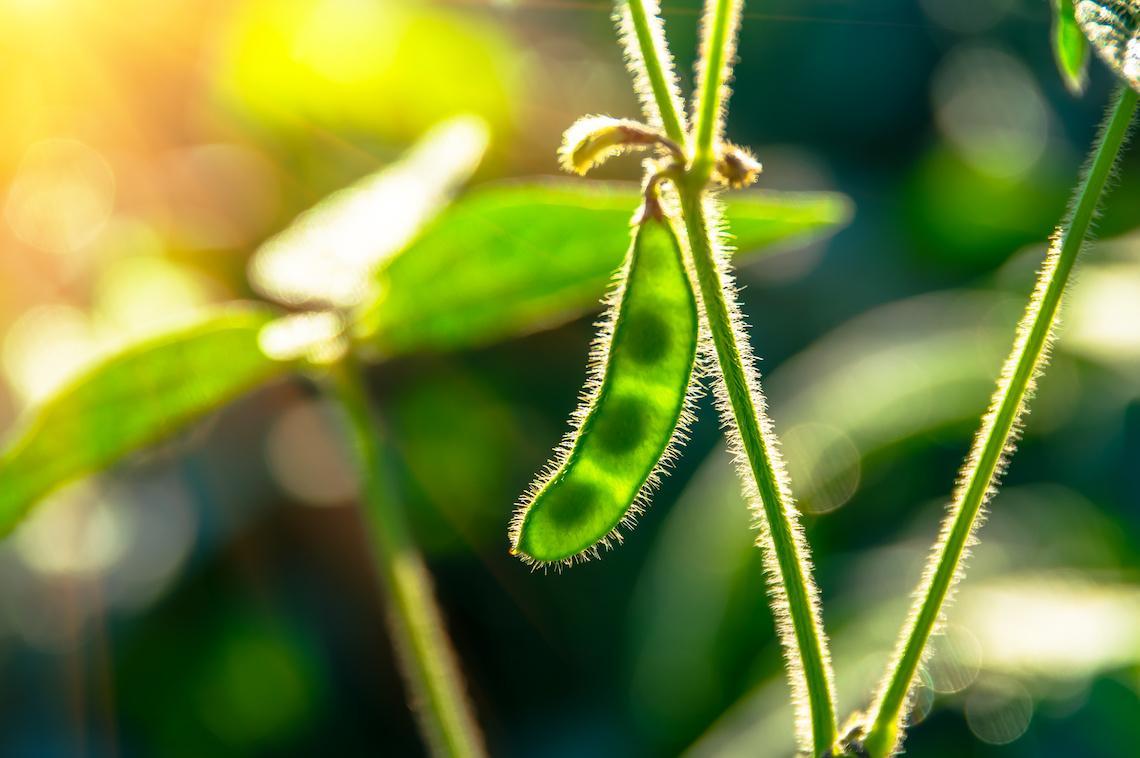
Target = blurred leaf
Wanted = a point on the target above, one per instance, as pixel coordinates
(1005, 212)
(897, 371)
(1104, 309)
(380, 68)
(1113, 28)
(1070, 48)
(315, 336)
(328, 254)
(1054, 624)
(130, 399)
(1053, 618)
(520, 257)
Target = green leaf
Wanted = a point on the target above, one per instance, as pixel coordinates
(131, 399)
(1113, 28)
(327, 256)
(515, 258)
(1070, 48)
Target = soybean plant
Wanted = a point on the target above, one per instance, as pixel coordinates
(382, 269)
(620, 441)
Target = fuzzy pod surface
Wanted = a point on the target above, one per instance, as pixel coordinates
(635, 408)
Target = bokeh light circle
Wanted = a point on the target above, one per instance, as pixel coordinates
(61, 196)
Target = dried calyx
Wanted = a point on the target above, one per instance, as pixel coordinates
(736, 167)
(592, 140)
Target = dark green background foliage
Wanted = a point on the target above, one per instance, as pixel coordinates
(234, 618)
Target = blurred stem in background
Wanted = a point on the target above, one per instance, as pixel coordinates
(422, 647)
(994, 443)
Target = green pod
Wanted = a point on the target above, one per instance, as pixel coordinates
(635, 408)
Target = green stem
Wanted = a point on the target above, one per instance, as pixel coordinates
(794, 581)
(986, 461)
(805, 647)
(422, 647)
(720, 22)
(659, 81)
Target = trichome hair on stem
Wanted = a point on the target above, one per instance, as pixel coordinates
(1000, 430)
(777, 562)
(959, 503)
(650, 82)
(720, 27)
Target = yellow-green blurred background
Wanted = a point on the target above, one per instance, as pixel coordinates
(215, 596)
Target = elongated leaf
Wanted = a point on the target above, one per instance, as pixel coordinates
(329, 253)
(1113, 28)
(1070, 48)
(130, 399)
(515, 258)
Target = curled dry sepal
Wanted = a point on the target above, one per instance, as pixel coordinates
(737, 167)
(592, 140)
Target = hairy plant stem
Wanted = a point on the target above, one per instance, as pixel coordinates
(720, 28)
(659, 80)
(805, 649)
(425, 654)
(994, 440)
(797, 585)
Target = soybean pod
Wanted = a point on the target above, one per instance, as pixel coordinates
(634, 409)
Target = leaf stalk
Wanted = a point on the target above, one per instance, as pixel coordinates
(995, 439)
(722, 19)
(425, 654)
(794, 596)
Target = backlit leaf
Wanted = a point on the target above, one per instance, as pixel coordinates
(135, 397)
(1070, 48)
(516, 258)
(328, 254)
